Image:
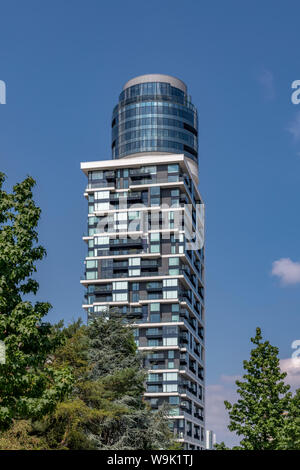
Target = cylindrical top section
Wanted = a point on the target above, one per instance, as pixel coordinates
(157, 77)
(154, 115)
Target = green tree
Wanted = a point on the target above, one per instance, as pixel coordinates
(290, 434)
(29, 386)
(106, 409)
(259, 414)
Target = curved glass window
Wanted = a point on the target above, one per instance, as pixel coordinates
(154, 117)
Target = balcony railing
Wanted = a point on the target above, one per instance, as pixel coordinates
(100, 184)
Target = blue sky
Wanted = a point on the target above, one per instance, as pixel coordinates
(64, 63)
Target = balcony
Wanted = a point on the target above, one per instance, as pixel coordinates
(139, 173)
(129, 196)
(103, 289)
(198, 416)
(125, 241)
(100, 184)
(149, 264)
(110, 175)
(120, 264)
(147, 179)
(183, 338)
(184, 315)
(155, 357)
(183, 359)
(154, 287)
(134, 314)
(154, 334)
(186, 407)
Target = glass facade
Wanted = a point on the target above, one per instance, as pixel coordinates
(154, 117)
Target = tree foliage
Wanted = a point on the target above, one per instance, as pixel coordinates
(259, 415)
(29, 386)
(290, 434)
(106, 409)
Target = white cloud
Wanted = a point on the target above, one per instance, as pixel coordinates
(294, 127)
(292, 367)
(266, 79)
(287, 270)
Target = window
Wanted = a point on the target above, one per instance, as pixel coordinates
(150, 169)
(96, 175)
(120, 297)
(120, 285)
(91, 275)
(170, 294)
(155, 317)
(135, 297)
(155, 196)
(173, 178)
(93, 220)
(102, 240)
(173, 168)
(174, 400)
(153, 377)
(173, 271)
(170, 376)
(135, 286)
(170, 388)
(153, 342)
(153, 331)
(170, 364)
(153, 401)
(100, 308)
(155, 307)
(170, 282)
(134, 261)
(133, 215)
(154, 242)
(120, 216)
(155, 237)
(153, 388)
(91, 264)
(173, 261)
(155, 191)
(102, 195)
(134, 272)
(175, 312)
(101, 206)
(170, 341)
